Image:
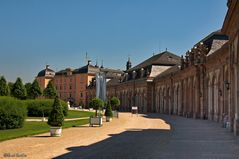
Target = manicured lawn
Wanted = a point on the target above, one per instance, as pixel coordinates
(33, 128)
(78, 114)
(72, 114)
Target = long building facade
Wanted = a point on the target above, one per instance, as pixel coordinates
(71, 84)
(201, 84)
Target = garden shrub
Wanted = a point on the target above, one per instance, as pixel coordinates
(12, 113)
(40, 107)
(56, 117)
(108, 111)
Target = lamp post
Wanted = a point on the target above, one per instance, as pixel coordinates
(134, 88)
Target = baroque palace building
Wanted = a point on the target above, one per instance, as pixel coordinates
(201, 84)
(71, 84)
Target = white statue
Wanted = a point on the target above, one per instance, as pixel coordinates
(101, 86)
(68, 104)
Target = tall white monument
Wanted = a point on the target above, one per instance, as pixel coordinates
(101, 86)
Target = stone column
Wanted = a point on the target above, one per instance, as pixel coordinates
(170, 100)
(149, 96)
(180, 99)
(236, 97)
(164, 99)
(235, 50)
(160, 100)
(215, 101)
(175, 100)
(210, 101)
(183, 97)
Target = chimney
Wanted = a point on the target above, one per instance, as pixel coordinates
(89, 62)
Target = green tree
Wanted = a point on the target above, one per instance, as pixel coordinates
(50, 91)
(28, 88)
(108, 111)
(4, 90)
(56, 117)
(10, 86)
(19, 90)
(35, 90)
(115, 102)
(96, 104)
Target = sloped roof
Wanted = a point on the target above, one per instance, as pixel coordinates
(87, 69)
(216, 44)
(64, 72)
(165, 58)
(111, 70)
(216, 35)
(113, 82)
(93, 69)
(169, 71)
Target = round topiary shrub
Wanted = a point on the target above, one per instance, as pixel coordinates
(12, 113)
(96, 104)
(115, 102)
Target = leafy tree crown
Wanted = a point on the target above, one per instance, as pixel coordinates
(19, 90)
(115, 102)
(4, 90)
(35, 90)
(96, 103)
(50, 91)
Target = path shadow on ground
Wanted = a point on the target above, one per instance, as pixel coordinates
(133, 143)
(162, 116)
(42, 136)
(81, 126)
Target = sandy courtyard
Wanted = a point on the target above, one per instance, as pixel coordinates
(42, 146)
(150, 136)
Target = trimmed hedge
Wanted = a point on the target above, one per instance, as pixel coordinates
(12, 113)
(38, 107)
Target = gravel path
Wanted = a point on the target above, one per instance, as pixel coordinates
(144, 136)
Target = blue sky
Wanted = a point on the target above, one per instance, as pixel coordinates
(34, 33)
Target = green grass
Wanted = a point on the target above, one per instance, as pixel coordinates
(33, 128)
(72, 114)
(78, 114)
